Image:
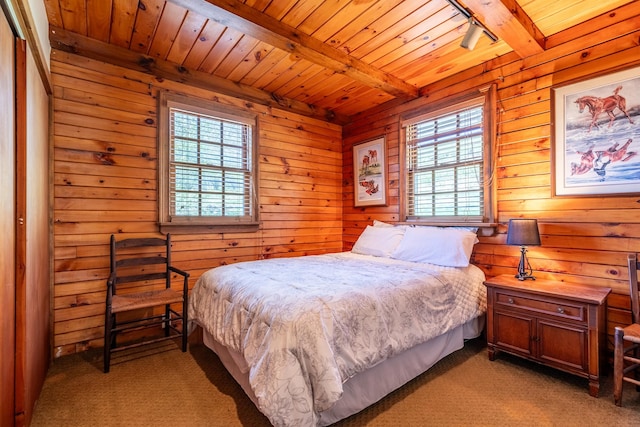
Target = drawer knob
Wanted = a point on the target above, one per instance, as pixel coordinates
(510, 300)
(560, 310)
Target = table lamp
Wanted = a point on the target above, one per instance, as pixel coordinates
(523, 233)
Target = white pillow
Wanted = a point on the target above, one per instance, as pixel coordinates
(436, 245)
(378, 241)
(377, 223)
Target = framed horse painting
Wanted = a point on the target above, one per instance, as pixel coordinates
(596, 135)
(369, 173)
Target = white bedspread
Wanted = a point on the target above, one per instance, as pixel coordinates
(305, 325)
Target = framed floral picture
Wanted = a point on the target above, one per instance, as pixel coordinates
(369, 171)
(596, 135)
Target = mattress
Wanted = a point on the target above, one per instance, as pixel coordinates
(300, 328)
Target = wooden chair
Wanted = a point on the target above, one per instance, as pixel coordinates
(140, 296)
(626, 361)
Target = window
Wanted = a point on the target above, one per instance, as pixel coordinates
(207, 165)
(447, 167)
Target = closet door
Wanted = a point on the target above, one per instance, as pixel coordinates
(7, 223)
(32, 256)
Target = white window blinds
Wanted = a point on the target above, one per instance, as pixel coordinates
(210, 166)
(444, 166)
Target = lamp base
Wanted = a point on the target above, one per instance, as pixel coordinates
(524, 276)
(524, 268)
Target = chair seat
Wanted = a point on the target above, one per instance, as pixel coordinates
(632, 333)
(125, 302)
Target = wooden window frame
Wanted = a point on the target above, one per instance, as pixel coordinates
(201, 224)
(485, 96)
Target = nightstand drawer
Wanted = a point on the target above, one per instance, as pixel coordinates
(559, 308)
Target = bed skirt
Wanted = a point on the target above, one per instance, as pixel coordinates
(366, 388)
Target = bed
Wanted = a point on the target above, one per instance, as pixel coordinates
(315, 339)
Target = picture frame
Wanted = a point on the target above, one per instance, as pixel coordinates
(369, 172)
(595, 148)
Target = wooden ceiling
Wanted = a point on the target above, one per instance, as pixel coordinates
(325, 58)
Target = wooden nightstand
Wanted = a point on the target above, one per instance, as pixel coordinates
(554, 323)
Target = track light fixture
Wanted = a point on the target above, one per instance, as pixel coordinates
(475, 29)
(472, 36)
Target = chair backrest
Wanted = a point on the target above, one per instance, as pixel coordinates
(634, 292)
(140, 260)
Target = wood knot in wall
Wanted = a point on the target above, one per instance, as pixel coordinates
(104, 158)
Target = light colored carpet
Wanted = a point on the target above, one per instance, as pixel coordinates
(166, 387)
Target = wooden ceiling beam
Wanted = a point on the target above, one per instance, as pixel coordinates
(252, 22)
(507, 20)
(80, 45)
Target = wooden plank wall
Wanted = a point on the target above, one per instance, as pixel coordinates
(584, 240)
(105, 182)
